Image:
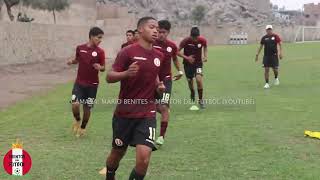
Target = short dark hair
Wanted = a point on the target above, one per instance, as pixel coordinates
(143, 20)
(164, 24)
(130, 31)
(195, 32)
(95, 31)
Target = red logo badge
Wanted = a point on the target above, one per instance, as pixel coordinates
(17, 162)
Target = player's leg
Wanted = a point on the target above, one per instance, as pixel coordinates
(164, 108)
(123, 129)
(143, 139)
(267, 65)
(85, 120)
(275, 67)
(191, 88)
(77, 94)
(143, 155)
(200, 90)
(190, 75)
(76, 115)
(90, 96)
(266, 77)
(165, 114)
(199, 81)
(113, 161)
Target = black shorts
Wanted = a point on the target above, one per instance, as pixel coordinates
(85, 95)
(271, 61)
(193, 70)
(164, 98)
(133, 131)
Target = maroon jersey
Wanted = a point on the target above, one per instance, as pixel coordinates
(137, 94)
(170, 51)
(193, 47)
(126, 44)
(87, 56)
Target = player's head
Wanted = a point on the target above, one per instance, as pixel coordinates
(269, 29)
(195, 32)
(164, 29)
(96, 35)
(129, 35)
(136, 34)
(148, 29)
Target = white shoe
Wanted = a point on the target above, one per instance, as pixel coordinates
(267, 86)
(194, 108)
(160, 140)
(276, 82)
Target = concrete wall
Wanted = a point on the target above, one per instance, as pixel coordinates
(217, 36)
(31, 42)
(25, 42)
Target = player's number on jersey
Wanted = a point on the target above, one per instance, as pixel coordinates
(165, 97)
(199, 70)
(152, 133)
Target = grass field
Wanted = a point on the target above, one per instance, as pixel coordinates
(264, 141)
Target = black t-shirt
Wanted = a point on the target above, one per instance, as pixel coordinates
(270, 44)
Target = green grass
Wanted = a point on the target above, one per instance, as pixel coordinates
(264, 141)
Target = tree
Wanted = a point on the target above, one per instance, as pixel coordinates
(48, 5)
(9, 4)
(198, 14)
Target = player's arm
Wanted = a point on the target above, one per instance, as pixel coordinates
(160, 85)
(190, 59)
(120, 69)
(279, 46)
(74, 60)
(259, 51)
(177, 66)
(182, 45)
(114, 76)
(101, 65)
(205, 54)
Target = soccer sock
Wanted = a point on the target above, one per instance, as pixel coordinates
(267, 80)
(275, 75)
(84, 124)
(77, 116)
(200, 92)
(135, 176)
(193, 99)
(111, 172)
(163, 128)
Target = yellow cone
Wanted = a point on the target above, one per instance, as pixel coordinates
(312, 134)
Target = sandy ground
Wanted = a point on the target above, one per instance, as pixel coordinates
(21, 81)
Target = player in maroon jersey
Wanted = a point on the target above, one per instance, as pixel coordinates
(91, 60)
(130, 37)
(138, 68)
(193, 62)
(170, 50)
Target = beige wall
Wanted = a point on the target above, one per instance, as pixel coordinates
(31, 42)
(216, 35)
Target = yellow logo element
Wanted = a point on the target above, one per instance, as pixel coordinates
(17, 145)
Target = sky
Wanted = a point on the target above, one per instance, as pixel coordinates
(293, 4)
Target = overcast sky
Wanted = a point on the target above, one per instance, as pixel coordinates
(293, 4)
